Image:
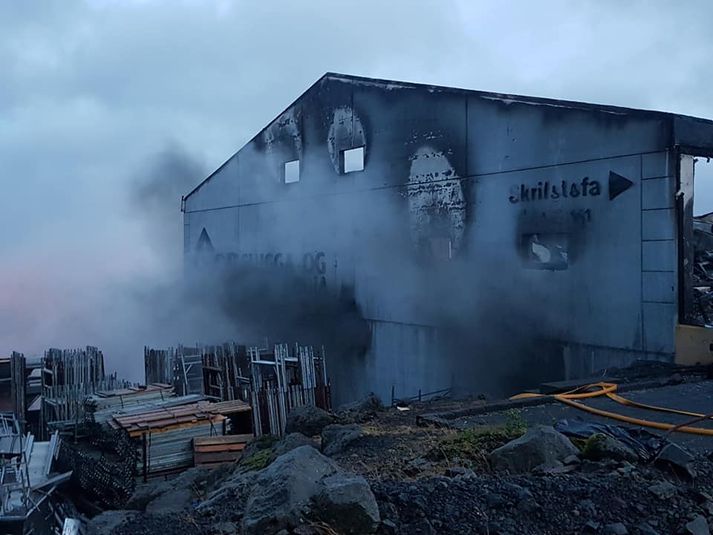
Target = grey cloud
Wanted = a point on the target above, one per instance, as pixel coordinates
(91, 91)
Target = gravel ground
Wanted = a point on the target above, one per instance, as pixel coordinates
(572, 503)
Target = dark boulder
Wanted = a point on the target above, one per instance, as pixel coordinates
(347, 504)
(308, 420)
(541, 447)
(336, 437)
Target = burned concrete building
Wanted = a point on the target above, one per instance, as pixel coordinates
(479, 236)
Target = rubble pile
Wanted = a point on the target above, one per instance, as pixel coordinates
(609, 497)
(703, 270)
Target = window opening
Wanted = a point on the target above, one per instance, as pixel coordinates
(292, 171)
(353, 160)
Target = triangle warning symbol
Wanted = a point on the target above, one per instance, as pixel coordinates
(204, 244)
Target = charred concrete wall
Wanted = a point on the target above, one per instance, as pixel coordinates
(489, 241)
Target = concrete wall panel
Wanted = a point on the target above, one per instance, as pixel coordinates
(658, 255)
(657, 193)
(658, 224)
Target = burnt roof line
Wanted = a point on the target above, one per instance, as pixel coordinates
(523, 99)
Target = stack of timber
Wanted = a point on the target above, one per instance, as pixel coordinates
(211, 451)
(100, 407)
(163, 435)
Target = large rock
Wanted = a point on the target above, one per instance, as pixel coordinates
(698, 526)
(284, 489)
(336, 437)
(173, 501)
(303, 484)
(108, 521)
(231, 495)
(261, 452)
(676, 459)
(308, 420)
(290, 442)
(347, 504)
(541, 447)
(191, 478)
(663, 490)
(600, 447)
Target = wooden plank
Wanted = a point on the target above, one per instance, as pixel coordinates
(224, 439)
(216, 457)
(219, 448)
(155, 430)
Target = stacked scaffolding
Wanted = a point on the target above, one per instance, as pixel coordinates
(272, 381)
(226, 370)
(284, 380)
(26, 475)
(181, 367)
(68, 376)
(17, 387)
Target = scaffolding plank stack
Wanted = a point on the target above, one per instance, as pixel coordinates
(163, 433)
(100, 407)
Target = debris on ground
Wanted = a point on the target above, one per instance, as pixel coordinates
(599, 447)
(360, 411)
(370, 469)
(702, 271)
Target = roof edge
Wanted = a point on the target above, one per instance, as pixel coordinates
(507, 96)
(573, 104)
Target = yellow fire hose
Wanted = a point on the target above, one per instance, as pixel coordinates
(608, 389)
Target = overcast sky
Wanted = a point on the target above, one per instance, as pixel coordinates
(91, 91)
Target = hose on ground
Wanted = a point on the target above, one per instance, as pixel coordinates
(609, 390)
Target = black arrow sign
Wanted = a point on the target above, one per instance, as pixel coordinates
(618, 185)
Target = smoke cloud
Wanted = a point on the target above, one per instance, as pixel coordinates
(90, 233)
